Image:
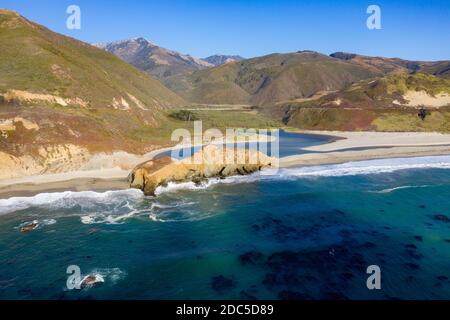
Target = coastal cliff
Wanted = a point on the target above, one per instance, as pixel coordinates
(211, 161)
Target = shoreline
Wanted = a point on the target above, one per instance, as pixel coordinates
(375, 145)
(76, 185)
(128, 161)
(371, 139)
(337, 157)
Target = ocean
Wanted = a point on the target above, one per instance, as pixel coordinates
(295, 233)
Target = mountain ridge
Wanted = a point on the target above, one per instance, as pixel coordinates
(228, 79)
(219, 59)
(268, 79)
(439, 68)
(154, 60)
(278, 77)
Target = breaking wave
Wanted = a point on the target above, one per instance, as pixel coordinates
(389, 190)
(371, 167)
(69, 199)
(114, 207)
(365, 167)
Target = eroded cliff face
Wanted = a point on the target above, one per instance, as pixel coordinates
(211, 161)
(52, 159)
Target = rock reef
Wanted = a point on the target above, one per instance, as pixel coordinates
(212, 161)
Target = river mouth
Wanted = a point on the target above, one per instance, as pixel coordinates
(287, 144)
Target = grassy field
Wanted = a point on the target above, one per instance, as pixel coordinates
(222, 119)
(438, 121)
(390, 120)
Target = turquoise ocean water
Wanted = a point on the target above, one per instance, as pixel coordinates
(298, 233)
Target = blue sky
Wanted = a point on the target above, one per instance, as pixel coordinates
(417, 30)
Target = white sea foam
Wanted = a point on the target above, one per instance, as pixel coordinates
(112, 275)
(176, 211)
(172, 186)
(68, 199)
(365, 167)
(38, 223)
(118, 200)
(98, 218)
(48, 222)
(105, 275)
(389, 190)
(188, 216)
(371, 167)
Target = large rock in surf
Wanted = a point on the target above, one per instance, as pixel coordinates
(211, 161)
(28, 227)
(91, 280)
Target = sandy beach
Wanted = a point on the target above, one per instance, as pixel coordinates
(356, 146)
(379, 139)
(334, 157)
(349, 146)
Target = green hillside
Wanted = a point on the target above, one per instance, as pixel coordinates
(154, 60)
(440, 69)
(390, 103)
(74, 92)
(34, 58)
(392, 65)
(269, 79)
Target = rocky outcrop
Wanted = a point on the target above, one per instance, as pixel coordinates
(30, 97)
(211, 161)
(91, 280)
(29, 226)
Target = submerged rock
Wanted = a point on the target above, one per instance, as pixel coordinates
(244, 295)
(221, 283)
(251, 258)
(441, 217)
(293, 295)
(412, 266)
(211, 161)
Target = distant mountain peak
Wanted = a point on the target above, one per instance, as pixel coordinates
(343, 55)
(9, 12)
(153, 59)
(383, 65)
(308, 51)
(137, 40)
(219, 59)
